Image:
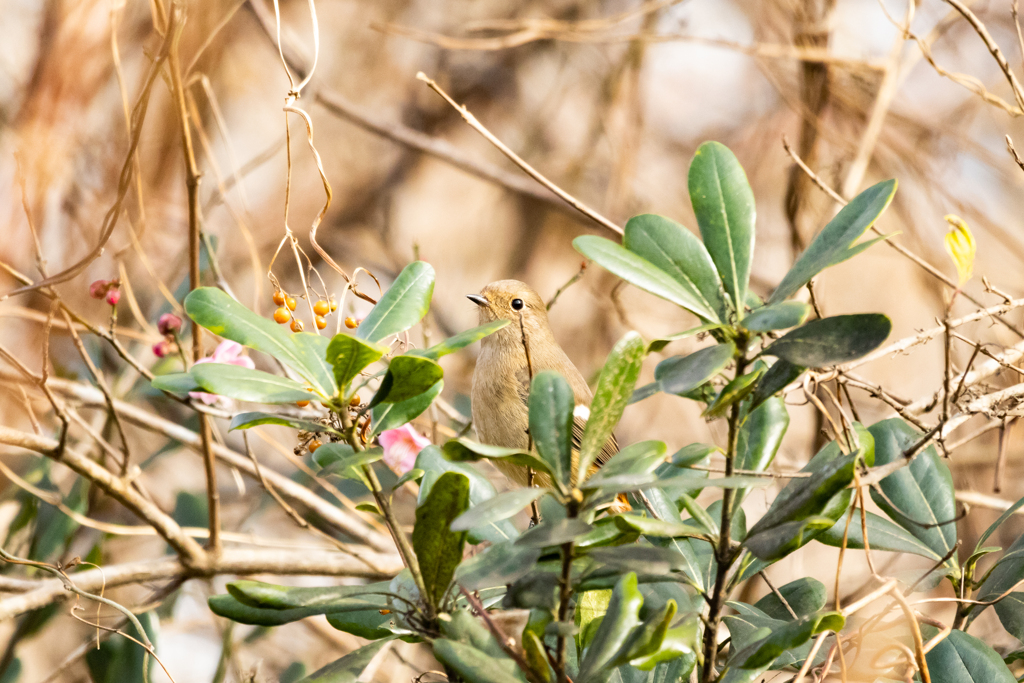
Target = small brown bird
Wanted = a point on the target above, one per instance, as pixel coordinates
(501, 381)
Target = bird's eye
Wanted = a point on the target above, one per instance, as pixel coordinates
(517, 304)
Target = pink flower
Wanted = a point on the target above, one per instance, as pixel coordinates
(401, 446)
(229, 353)
(169, 324)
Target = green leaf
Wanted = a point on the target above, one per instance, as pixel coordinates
(788, 637)
(734, 391)
(648, 559)
(775, 380)
(805, 596)
(554, 532)
(177, 383)
(962, 658)
(467, 450)
(646, 639)
(460, 341)
(833, 242)
(641, 273)
(373, 624)
(724, 205)
(438, 548)
(622, 617)
(471, 664)
(780, 316)
(341, 459)
(882, 535)
(676, 251)
(551, 419)
(402, 306)
(272, 596)
(229, 607)
(921, 493)
(349, 356)
(1011, 614)
(311, 349)
(834, 340)
(502, 506)
(761, 434)
(406, 378)
(998, 523)
(657, 528)
(499, 565)
(349, 668)
(614, 388)
(657, 345)
(638, 458)
(225, 317)
(680, 374)
(249, 420)
(1004, 575)
(391, 415)
(235, 381)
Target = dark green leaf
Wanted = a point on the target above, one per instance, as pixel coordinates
(962, 658)
(921, 493)
(638, 458)
(614, 388)
(349, 356)
(780, 316)
(391, 415)
(272, 596)
(693, 454)
(471, 664)
(734, 391)
(804, 596)
(438, 548)
(402, 306)
(882, 535)
(724, 205)
(998, 523)
(177, 383)
(1005, 574)
(658, 528)
(551, 419)
(760, 435)
(225, 317)
(249, 420)
(460, 341)
(646, 559)
(1011, 614)
(229, 607)
(348, 668)
(647, 638)
(656, 345)
(338, 458)
(622, 617)
(407, 377)
(467, 450)
(686, 482)
(775, 380)
(641, 273)
(834, 241)
(788, 637)
(502, 506)
(554, 532)
(498, 565)
(235, 381)
(676, 251)
(830, 341)
(680, 374)
(311, 349)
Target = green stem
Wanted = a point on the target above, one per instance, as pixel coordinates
(724, 555)
(401, 540)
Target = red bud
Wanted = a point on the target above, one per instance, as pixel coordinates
(169, 324)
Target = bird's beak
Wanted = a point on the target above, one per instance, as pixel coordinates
(478, 300)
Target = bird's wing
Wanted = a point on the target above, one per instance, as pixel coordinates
(579, 423)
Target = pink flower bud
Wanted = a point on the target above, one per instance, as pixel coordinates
(98, 289)
(169, 324)
(113, 295)
(162, 349)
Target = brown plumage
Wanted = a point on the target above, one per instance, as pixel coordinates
(501, 380)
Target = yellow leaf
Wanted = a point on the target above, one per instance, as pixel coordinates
(961, 247)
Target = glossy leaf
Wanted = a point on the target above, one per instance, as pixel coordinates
(499, 565)
(349, 356)
(680, 374)
(638, 458)
(407, 377)
(804, 596)
(614, 388)
(311, 349)
(339, 458)
(998, 523)
(775, 380)
(554, 532)
(760, 435)
(551, 420)
(780, 316)
(1005, 574)
(676, 251)
(834, 340)
(467, 450)
(250, 420)
(391, 415)
(724, 206)
(733, 392)
(641, 273)
(646, 639)
(273, 596)
(244, 384)
(460, 340)
(658, 528)
(622, 617)
(402, 306)
(835, 240)
(921, 493)
(502, 506)
(225, 317)
(643, 559)
(787, 637)
(656, 345)
(882, 535)
(438, 548)
(962, 658)
(349, 668)
(471, 665)
(177, 383)
(1010, 611)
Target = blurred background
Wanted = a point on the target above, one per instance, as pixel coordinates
(608, 99)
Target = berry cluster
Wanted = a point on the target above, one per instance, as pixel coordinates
(286, 306)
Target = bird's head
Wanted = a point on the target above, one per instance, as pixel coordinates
(508, 300)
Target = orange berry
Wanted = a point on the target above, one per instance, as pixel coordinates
(282, 315)
(351, 324)
(290, 303)
(279, 298)
(321, 307)
(302, 404)
(320, 322)
(313, 445)
(334, 305)
(296, 325)
(354, 401)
